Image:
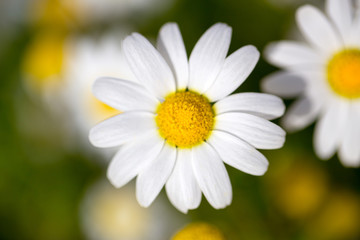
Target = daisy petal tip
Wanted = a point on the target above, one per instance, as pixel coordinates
(322, 154)
(143, 202)
(350, 165)
(110, 176)
(282, 106)
(169, 25)
(261, 172)
(222, 25)
(253, 50)
(93, 139)
(348, 161)
(304, 10)
(100, 84)
(184, 210)
(282, 138)
(288, 125)
(223, 205)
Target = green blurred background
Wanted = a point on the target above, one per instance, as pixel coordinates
(45, 173)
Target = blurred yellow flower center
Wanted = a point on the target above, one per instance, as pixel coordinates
(185, 119)
(100, 110)
(343, 73)
(115, 215)
(199, 231)
(44, 59)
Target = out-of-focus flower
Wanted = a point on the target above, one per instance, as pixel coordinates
(108, 214)
(287, 3)
(199, 231)
(86, 60)
(339, 218)
(171, 132)
(43, 64)
(94, 10)
(54, 14)
(72, 14)
(324, 73)
(297, 188)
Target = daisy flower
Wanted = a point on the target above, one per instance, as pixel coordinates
(179, 125)
(324, 73)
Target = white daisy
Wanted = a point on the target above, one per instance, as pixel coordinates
(325, 75)
(179, 124)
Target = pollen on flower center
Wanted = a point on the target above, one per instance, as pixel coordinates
(185, 119)
(343, 73)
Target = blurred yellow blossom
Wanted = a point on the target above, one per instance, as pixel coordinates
(43, 60)
(298, 189)
(108, 213)
(338, 219)
(52, 14)
(199, 231)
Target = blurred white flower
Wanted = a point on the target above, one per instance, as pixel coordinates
(42, 68)
(86, 60)
(289, 3)
(325, 75)
(94, 10)
(112, 214)
(171, 132)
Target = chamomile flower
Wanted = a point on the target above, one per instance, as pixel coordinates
(325, 75)
(179, 125)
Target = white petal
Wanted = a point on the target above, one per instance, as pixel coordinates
(257, 131)
(124, 95)
(211, 176)
(133, 157)
(236, 69)
(317, 29)
(208, 57)
(170, 44)
(354, 35)
(148, 65)
(182, 188)
(288, 54)
(340, 12)
(329, 129)
(301, 113)
(122, 128)
(259, 104)
(349, 152)
(151, 180)
(283, 84)
(238, 154)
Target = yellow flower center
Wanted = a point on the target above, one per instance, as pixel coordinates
(185, 119)
(199, 231)
(343, 73)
